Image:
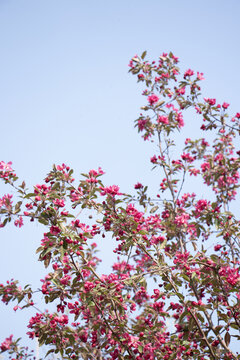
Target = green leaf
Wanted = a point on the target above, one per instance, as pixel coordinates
(29, 195)
(62, 252)
(17, 206)
(180, 296)
(217, 329)
(215, 258)
(163, 244)
(39, 249)
(234, 326)
(154, 209)
(183, 315)
(227, 338)
(143, 55)
(200, 317)
(43, 221)
(193, 276)
(185, 277)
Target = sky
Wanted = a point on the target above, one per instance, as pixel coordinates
(66, 95)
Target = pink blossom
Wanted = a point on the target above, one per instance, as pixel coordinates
(204, 143)
(187, 157)
(19, 222)
(92, 180)
(175, 58)
(198, 110)
(94, 173)
(187, 141)
(181, 219)
(140, 76)
(205, 166)
(157, 240)
(163, 119)
(61, 167)
(142, 124)
(6, 343)
(131, 64)
(88, 286)
(6, 201)
(210, 101)
(179, 119)
(232, 275)
(5, 167)
(110, 190)
(188, 72)
(194, 171)
(200, 76)
(152, 99)
(138, 186)
(55, 230)
(181, 91)
(59, 202)
(153, 159)
(225, 105)
(200, 207)
(31, 334)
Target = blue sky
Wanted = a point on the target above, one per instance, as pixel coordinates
(66, 95)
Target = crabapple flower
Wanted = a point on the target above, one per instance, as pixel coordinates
(188, 72)
(163, 120)
(225, 105)
(5, 345)
(5, 167)
(152, 99)
(210, 101)
(138, 186)
(200, 76)
(19, 222)
(110, 190)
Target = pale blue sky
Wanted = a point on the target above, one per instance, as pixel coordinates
(66, 95)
